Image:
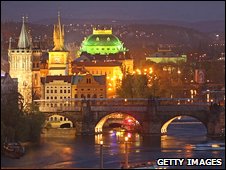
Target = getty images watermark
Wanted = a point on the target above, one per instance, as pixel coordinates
(189, 162)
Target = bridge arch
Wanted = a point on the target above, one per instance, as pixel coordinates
(167, 122)
(115, 115)
(58, 121)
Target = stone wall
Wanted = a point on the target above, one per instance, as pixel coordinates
(60, 132)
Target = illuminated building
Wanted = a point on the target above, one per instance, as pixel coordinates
(58, 63)
(112, 70)
(89, 86)
(102, 53)
(102, 45)
(20, 60)
(166, 56)
(76, 86)
(56, 87)
(102, 42)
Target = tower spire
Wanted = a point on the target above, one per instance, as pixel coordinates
(60, 30)
(24, 39)
(58, 35)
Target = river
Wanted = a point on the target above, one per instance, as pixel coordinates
(83, 151)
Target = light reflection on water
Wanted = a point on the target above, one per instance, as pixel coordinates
(83, 151)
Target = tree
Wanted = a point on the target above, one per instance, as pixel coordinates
(19, 122)
(134, 86)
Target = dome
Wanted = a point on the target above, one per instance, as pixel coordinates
(102, 42)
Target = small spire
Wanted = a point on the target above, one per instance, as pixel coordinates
(23, 19)
(10, 43)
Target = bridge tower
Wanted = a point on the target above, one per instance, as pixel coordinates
(20, 60)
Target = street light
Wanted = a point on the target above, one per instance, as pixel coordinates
(101, 155)
(126, 153)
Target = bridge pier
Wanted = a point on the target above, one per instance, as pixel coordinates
(151, 124)
(216, 121)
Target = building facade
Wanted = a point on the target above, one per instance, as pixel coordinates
(8, 85)
(89, 86)
(76, 86)
(166, 56)
(112, 70)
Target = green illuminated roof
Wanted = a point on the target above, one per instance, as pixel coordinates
(102, 43)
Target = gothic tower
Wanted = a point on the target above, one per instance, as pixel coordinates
(20, 61)
(58, 57)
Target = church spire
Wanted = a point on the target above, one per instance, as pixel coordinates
(58, 35)
(24, 39)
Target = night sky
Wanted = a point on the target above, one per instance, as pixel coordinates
(171, 10)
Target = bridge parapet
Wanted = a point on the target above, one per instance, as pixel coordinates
(183, 108)
(58, 109)
(140, 103)
(119, 108)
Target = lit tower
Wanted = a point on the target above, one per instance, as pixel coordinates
(20, 61)
(58, 57)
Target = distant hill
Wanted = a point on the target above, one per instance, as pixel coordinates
(202, 26)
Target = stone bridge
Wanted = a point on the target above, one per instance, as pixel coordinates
(88, 116)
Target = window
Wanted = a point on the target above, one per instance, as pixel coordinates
(61, 91)
(51, 91)
(69, 91)
(76, 96)
(82, 89)
(102, 48)
(82, 96)
(94, 96)
(65, 91)
(88, 89)
(51, 97)
(101, 89)
(55, 118)
(47, 97)
(37, 65)
(55, 97)
(88, 81)
(60, 97)
(88, 95)
(55, 91)
(47, 91)
(61, 118)
(33, 65)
